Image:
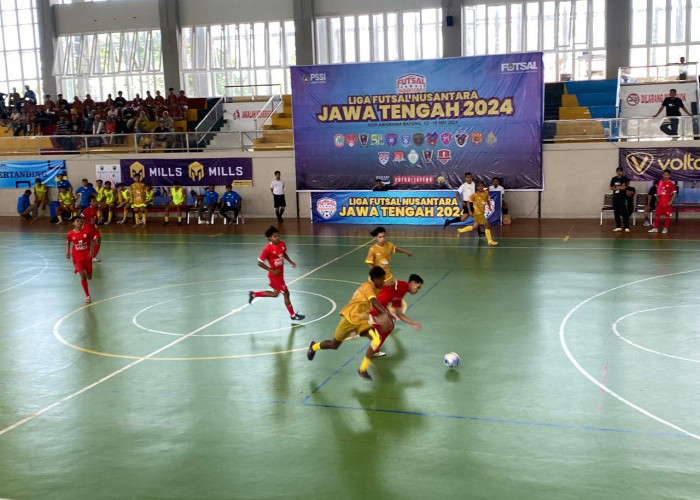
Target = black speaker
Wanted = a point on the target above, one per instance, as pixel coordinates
(450, 21)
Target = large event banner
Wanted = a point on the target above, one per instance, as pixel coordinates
(419, 124)
(647, 164)
(22, 174)
(394, 207)
(643, 100)
(190, 172)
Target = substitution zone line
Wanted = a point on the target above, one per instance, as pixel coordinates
(77, 393)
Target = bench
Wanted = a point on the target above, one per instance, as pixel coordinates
(685, 207)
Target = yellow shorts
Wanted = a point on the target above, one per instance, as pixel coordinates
(138, 205)
(480, 219)
(345, 328)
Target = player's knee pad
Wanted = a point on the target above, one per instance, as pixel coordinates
(375, 339)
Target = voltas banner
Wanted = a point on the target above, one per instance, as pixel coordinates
(200, 172)
(22, 174)
(649, 163)
(419, 124)
(401, 207)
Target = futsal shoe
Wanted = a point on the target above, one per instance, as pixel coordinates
(364, 375)
(493, 243)
(654, 230)
(95, 259)
(88, 299)
(251, 296)
(379, 354)
(297, 317)
(310, 353)
(664, 231)
(617, 229)
(627, 230)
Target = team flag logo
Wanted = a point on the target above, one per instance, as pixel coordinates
(461, 139)
(351, 140)
(491, 139)
(339, 140)
(413, 157)
(383, 157)
(399, 156)
(444, 155)
(363, 139)
(476, 138)
(432, 138)
(391, 139)
(428, 155)
(406, 140)
(418, 139)
(326, 207)
(446, 138)
(377, 140)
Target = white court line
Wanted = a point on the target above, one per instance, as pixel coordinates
(43, 268)
(603, 387)
(50, 407)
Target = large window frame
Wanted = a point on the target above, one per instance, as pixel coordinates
(20, 60)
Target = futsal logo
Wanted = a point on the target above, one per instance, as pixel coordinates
(432, 138)
(137, 168)
(339, 140)
(351, 140)
(195, 171)
(406, 140)
(413, 157)
(476, 138)
(411, 84)
(446, 138)
(489, 208)
(418, 139)
(383, 157)
(428, 155)
(491, 139)
(364, 138)
(461, 139)
(444, 155)
(326, 207)
(391, 139)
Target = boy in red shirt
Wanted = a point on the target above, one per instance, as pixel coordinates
(665, 194)
(81, 237)
(275, 253)
(89, 216)
(392, 295)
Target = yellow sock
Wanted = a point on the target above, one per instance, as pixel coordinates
(179, 218)
(365, 364)
(166, 218)
(488, 237)
(465, 229)
(99, 214)
(109, 216)
(316, 347)
(143, 218)
(60, 218)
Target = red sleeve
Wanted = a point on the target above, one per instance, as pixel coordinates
(264, 254)
(399, 293)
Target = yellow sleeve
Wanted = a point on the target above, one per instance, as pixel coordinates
(472, 197)
(392, 246)
(370, 256)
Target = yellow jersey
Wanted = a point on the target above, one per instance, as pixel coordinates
(100, 193)
(124, 195)
(380, 256)
(480, 199)
(357, 310)
(138, 193)
(65, 198)
(149, 195)
(178, 196)
(40, 191)
(109, 195)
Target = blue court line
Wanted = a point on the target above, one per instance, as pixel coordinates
(308, 396)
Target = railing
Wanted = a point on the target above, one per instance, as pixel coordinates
(230, 90)
(265, 114)
(623, 129)
(656, 74)
(205, 126)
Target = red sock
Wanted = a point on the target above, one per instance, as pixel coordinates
(657, 219)
(258, 294)
(83, 282)
(96, 249)
(290, 309)
(667, 222)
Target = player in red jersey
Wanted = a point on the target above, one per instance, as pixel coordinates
(392, 296)
(81, 237)
(275, 254)
(666, 192)
(89, 216)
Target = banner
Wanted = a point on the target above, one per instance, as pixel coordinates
(647, 164)
(201, 172)
(643, 100)
(394, 207)
(22, 174)
(419, 124)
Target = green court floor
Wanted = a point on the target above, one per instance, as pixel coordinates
(579, 372)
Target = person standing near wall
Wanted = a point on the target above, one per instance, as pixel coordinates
(673, 105)
(277, 190)
(619, 184)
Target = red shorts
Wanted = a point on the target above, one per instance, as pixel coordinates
(93, 231)
(277, 283)
(665, 210)
(374, 313)
(82, 263)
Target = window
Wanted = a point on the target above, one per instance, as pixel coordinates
(237, 56)
(20, 63)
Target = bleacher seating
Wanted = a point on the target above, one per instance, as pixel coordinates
(278, 135)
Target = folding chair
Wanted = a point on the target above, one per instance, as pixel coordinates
(607, 205)
(639, 204)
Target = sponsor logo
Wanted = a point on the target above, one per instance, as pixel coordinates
(639, 162)
(305, 78)
(418, 139)
(414, 179)
(138, 168)
(461, 139)
(326, 207)
(633, 99)
(339, 140)
(351, 140)
(195, 171)
(406, 140)
(410, 84)
(391, 139)
(363, 139)
(491, 139)
(399, 156)
(489, 208)
(518, 67)
(440, 179)
(446, 138)
(377, 140)
(432, 138)
(476, 138)
(317, 78)
(444, 155)
(413, 157)
(428, 155)
(383, 157)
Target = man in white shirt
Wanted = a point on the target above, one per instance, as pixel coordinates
(277, 190)
(467, 189)
(496, 186)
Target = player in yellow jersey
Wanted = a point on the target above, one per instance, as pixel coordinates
(123, 201)
(480, 199)
(41, 197)
(66, 202)
(109, 201)
(177, 201)
(138, 201)
(99, 196)
(355, 320)
(380, 254)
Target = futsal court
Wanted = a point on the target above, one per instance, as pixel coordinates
(579, 374)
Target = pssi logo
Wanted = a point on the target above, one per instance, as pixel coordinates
(411, 84)
(518, 66)
(317, 77)
(326, 207)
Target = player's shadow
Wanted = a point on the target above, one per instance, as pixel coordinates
(280, 379)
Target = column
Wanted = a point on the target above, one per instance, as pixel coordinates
(169, 13)
(47, 41)
(451, 35)
(304, 31)
(618, 21)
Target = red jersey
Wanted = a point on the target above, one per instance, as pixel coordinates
(274, 255)
(393, 295)
(90, 215)
(664, 191)
(81, 242)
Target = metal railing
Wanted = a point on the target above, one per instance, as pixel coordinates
(621, 129)
(657, 74)
(230, 90)
(204, 127)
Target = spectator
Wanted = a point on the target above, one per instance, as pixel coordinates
(175, 111)
(136, 102)
(109, 101)
(682, 69)
(29, 95)
(379, 185)
(49, 105)
(83, 193)
(142, 126)
(160, 136)
(88, 101)
(209, 202)
(76, 107)
(88, 118)
(120, 101)
(230, 202)
(172, 98)
(23, 120)
(148, 101)
(3, 107)
(24, 205)
(120, 129)
(673, 107)
(129, 118)
(110, 129)
(112, 111)
(158, 100)
(496, 186)
(98, 130)
(278, 199)
(650, 205)
(15, 99)
(618, 185)
(14, 122)
(182, 101)
(61, 104)
(630, 192)
(75, 128)
(167, 122)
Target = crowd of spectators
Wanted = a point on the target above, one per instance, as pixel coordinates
(105, 121)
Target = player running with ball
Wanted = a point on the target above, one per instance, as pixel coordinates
(82, 239)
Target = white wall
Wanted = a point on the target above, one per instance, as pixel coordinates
(100, 17)
(200, 12)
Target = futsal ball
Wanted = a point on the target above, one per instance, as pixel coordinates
(451, 360)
